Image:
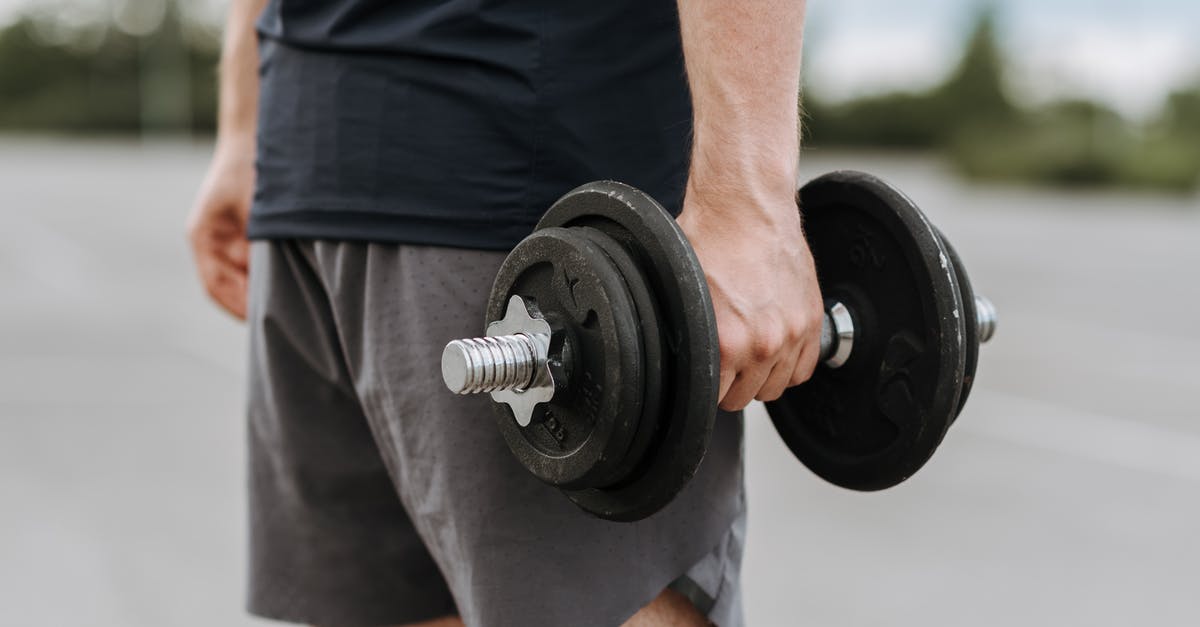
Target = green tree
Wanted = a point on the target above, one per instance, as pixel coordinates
(973, 95)
(99, 80)
(975, 90)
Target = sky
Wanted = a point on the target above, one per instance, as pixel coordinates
(1128, 53)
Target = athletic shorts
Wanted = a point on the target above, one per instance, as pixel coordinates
(377, 497)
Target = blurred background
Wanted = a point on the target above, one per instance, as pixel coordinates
(1055, 142)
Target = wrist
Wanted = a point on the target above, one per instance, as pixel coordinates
(767, 166)
(234, 146)
(752, 192)
(741, 210)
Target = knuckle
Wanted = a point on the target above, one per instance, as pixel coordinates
(796, 333)
(767, 344)
(732, 347)
(811, 323)
(807, 333)
(728, 349)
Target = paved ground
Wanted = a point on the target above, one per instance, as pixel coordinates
(1069, 493)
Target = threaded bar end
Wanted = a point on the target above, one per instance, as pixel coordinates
(491, 364)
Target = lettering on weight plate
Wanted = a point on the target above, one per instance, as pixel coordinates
(863, 251)
(555, 428)
(897, 397)
(590, 392)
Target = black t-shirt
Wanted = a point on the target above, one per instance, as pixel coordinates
(458, 122)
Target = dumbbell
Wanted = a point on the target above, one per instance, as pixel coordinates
(601, 347)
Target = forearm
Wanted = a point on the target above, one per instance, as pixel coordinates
(237, 115)
(743, 65)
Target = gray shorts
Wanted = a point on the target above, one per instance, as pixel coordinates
(378, 497)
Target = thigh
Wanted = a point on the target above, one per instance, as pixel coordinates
(330, 541)
(514, 551)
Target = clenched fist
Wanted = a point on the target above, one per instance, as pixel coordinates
(764, 289)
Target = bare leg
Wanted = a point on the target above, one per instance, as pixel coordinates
(670, 609)
(446, 621)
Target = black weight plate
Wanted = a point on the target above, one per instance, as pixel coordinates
(875, 421)
(582, 434)
(688, 326)
(653, 350)
(970, 325)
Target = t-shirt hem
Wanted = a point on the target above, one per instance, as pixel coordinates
(386, 228)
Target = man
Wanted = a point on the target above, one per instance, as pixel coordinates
(393, 151)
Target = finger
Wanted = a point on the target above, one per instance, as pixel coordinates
(229, 291)
(237, 251)
(222, 245)
(744, 388)
(235, 304)
(728, 341)
(728, 375)
(806, 363)
(780, 377)
(224, 281)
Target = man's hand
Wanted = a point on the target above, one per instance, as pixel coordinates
(764, 290)
(743, 65)
(217, 227)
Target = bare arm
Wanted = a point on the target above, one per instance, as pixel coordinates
(237, 116)
(743, 64)
(217, 225)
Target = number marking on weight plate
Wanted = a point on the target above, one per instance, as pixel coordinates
(863, 251)
(591, 392)
(555, 428)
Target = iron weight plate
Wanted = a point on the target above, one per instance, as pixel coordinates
(970, 325)
(688, 326)
(581, 435)
(872, 423)
(653, 354)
